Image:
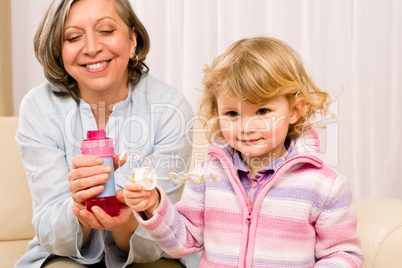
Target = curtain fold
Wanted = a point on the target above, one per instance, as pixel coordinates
(351, 48)
(6, 90)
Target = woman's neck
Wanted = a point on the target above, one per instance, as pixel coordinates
(101, 112)
(102, 104)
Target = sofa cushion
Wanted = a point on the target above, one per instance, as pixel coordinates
(15, 197)
(379, 225)
(11, 251)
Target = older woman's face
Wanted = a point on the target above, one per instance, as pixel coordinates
(97, 46)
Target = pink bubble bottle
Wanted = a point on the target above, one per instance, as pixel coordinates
(98, 144)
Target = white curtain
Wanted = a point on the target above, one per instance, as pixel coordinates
(352, 49)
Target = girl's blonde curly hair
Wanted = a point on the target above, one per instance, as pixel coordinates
(257, 70)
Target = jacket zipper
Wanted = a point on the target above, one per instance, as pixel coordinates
(249, 207)
(248, 222)
(248, 219)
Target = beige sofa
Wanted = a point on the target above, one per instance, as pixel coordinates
(379, 220)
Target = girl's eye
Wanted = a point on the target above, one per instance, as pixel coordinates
(232, 114)
(262, 111)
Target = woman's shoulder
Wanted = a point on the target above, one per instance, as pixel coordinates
(151, 93)
(156, 90)
(42, 98)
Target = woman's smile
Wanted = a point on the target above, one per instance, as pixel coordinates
(97, 66)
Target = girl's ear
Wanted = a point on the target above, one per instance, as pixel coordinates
(297, 110)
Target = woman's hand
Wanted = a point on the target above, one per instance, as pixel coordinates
(86, 177)
(121, 226)
(141, 200)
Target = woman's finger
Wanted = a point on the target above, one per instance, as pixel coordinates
(83, 195)
(85, 183)
(76, 211)
(107, 222)
(91, 219)
(84, 172)
(85, 160)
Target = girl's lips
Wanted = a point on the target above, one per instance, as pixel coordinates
(250, 140)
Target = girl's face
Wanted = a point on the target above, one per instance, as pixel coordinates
(97, 46)
(257, 131)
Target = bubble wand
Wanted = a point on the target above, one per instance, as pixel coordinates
(145, 175)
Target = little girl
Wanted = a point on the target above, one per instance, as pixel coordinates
(278, 203)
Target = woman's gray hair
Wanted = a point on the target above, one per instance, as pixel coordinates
(48, 43)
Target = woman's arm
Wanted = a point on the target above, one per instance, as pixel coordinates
(44, 159)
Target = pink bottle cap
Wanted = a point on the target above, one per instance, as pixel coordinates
(97, 144)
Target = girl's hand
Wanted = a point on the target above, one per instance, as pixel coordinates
(141, 200)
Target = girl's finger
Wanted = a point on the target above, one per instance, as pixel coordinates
(131, 186)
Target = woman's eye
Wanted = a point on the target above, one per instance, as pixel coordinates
(72, 39)
(262, 111)
(232, 114)
(107, 32)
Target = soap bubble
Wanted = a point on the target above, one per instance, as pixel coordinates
(137, 168)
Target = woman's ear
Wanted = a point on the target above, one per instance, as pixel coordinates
(133, 37)
(297, 110)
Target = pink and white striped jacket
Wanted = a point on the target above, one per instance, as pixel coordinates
(302, 217)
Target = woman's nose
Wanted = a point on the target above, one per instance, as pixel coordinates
(92, 45)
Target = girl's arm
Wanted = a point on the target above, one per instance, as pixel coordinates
(337, 241)
(171, 148)
(178, 230)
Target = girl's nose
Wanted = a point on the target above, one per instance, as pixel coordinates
(249, 124)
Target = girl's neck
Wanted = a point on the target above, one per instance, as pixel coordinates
(259, 162)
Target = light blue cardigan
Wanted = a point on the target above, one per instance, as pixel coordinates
(154, 118)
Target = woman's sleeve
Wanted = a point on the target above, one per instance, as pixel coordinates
(57, 229)
(338, 244)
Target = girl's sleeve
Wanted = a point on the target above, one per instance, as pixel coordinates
(338, 244)
(57, 229)
(171, 149)
(178, 229)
